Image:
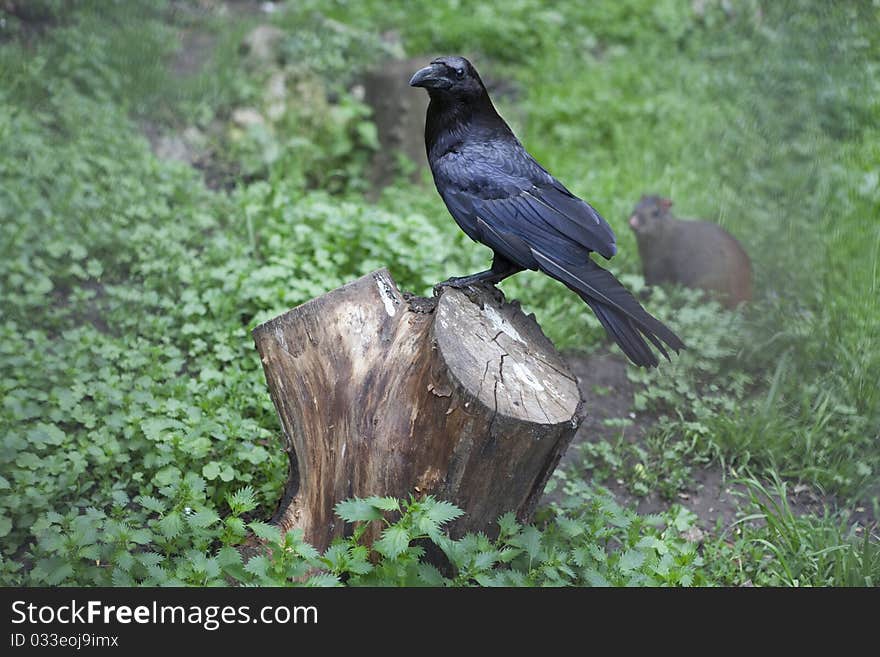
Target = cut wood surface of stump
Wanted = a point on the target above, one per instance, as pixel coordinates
(463, 398)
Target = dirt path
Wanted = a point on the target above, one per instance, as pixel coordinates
(191, 145)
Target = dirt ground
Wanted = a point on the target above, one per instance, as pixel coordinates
(608, 393)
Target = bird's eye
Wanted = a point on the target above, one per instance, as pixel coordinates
(459, 73)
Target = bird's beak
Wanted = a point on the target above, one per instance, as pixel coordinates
(424, 77)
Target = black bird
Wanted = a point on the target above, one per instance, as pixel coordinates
(501, 197)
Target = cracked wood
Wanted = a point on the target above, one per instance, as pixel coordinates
(378, 395)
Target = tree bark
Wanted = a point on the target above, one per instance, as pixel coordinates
(385, 394)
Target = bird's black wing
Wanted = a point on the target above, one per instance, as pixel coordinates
(499, 177)
(501, 197)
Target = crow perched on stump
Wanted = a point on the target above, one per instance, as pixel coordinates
(501, 197)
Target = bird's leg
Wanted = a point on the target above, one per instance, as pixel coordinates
(501, 269)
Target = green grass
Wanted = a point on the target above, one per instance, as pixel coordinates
(776, 547)
(135, 428)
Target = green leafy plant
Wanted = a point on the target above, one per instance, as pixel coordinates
(777, 547)
(137, 440)
(588, 541)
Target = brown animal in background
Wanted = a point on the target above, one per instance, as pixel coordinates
(696, 254)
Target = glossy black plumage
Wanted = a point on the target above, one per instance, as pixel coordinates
(501, 197)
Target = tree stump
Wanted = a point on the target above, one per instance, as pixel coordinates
(383, 394)
(399, 114)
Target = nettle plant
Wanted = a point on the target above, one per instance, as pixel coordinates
(589, 540)
(176, 538)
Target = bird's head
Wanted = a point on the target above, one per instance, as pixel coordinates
(449, 76)
(648, 217)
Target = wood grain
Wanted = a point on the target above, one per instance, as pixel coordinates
(377, 394)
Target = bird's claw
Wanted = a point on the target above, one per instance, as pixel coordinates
(454, 282)
(469, 288)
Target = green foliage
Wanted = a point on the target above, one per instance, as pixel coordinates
(137, 440)
(334, 50)
(776, 547)
(317, 145)
(587, 541)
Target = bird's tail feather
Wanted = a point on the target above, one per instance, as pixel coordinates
(617, 310)
(621, 328)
